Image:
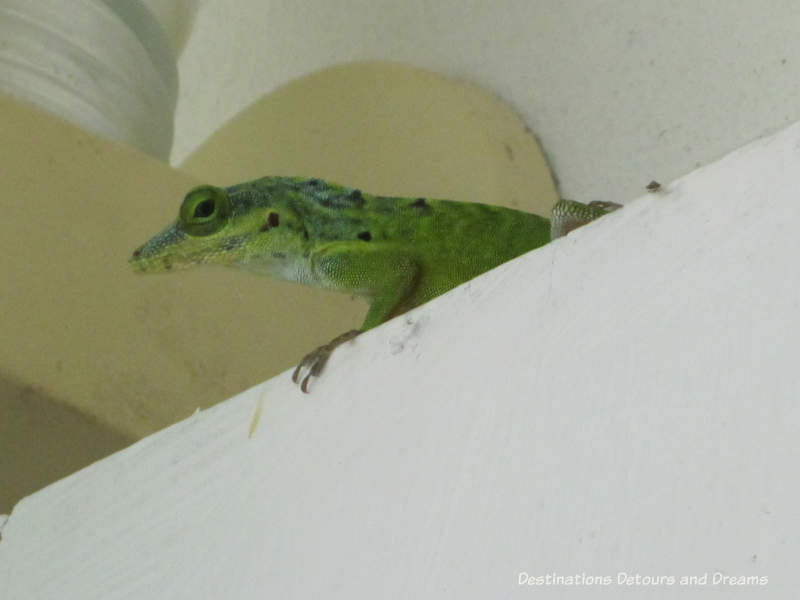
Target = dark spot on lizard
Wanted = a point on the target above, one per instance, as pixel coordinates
(137, 253)
(273, 220)
(356, 197)
(365, 235)
(421, 206)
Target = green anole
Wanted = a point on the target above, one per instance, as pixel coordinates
(396, 252)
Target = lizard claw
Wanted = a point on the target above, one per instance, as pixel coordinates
(296, 373)
(311, 366)
(314, 362)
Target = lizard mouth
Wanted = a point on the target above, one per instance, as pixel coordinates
(161, 253)
(140, 262)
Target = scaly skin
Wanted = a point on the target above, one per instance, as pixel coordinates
(396, 252)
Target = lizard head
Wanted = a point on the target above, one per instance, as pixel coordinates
(219, 227)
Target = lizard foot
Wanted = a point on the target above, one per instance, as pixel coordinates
(314, 362)
(568, 215)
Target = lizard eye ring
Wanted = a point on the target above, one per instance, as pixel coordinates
(204, 211)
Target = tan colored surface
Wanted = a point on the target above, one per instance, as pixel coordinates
(43, 439)
(388, 129)
(94, 356)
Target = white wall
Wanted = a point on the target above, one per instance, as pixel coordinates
(618, 92)
(623, 400)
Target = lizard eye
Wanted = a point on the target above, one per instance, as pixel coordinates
(204, 210)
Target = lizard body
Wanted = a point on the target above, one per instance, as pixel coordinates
(397, 252)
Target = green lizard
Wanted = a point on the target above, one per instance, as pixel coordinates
(396, 252)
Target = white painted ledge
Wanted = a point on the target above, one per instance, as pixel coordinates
(624, 400)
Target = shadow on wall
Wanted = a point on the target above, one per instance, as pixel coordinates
(42, 441)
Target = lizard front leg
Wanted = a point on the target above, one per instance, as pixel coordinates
(382, 273)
